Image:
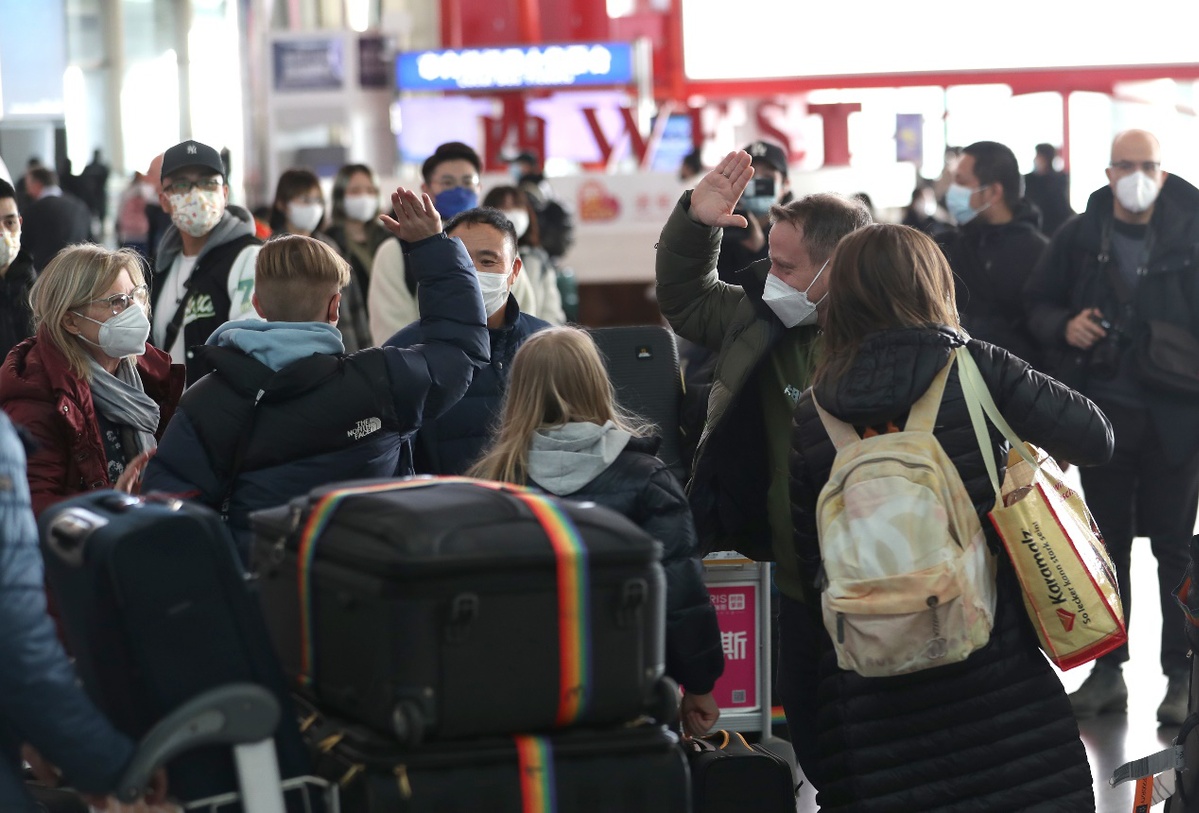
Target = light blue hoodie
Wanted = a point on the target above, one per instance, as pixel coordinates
(563, 459)
(278, 344)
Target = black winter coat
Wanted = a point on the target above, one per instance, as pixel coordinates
(452, 443)
(16, 315)
(1070, 278)
(640, 486)
(994, 732)
(991, 264)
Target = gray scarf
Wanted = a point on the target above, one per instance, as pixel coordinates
(122, 399)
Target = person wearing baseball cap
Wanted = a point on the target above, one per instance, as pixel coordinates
(204, 265)
(740, 248)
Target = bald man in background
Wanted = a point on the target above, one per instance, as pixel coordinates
(1113, 283)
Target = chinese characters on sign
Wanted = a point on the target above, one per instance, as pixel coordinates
(737, 613)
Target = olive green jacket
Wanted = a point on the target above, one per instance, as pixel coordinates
(730, 473)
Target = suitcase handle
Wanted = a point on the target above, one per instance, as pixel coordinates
(236, 714)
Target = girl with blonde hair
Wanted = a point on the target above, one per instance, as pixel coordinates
(93, 395)
(561, 431)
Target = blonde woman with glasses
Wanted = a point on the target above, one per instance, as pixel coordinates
(87, 388)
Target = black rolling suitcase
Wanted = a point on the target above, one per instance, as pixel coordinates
(643, 365)
(156, 609)
(638, 769)
(443, 608)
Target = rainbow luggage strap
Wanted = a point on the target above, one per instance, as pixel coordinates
(538, 790)
(573, 582)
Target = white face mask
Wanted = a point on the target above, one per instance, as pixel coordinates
(305, 216)
(197, 212)
(520, 221)
(1136, 192)
(494, 288)
(361, 207)
(792, 307)
(957, 201)
(124, 334)
(10, 246)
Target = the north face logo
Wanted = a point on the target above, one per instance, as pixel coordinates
(1067, 619)
(365, 427)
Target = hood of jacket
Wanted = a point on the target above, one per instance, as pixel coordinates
(891, 370)
(235, 222)
(278, 344)
(563, 459)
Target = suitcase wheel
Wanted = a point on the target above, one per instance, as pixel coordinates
(663, 704)
(408, 723)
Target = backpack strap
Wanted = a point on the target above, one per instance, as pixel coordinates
(922, 417)
(841, 433)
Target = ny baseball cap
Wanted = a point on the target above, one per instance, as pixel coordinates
(191, 154)
(766, 152)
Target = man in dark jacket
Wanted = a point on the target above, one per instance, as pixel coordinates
(1126, 263)
(16, 275)
(285, 409)
(204, 265)
(995, 248)
(452, 443)
(55, 219)
(741, 246)
(1049, 190)
(41, 702)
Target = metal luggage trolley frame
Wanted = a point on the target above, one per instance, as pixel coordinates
(730, 575)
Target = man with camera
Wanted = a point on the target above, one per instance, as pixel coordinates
(1114, 304)
(741, 246)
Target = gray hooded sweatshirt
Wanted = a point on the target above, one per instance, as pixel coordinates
(563, 459)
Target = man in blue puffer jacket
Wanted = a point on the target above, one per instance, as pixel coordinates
(285, 409)
(453, 442)
(40, 699)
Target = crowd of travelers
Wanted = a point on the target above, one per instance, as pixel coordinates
(428, 335)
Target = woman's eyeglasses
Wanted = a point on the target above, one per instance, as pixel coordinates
(119, 302)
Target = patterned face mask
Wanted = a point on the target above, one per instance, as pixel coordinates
(10, 246)
(198, 211)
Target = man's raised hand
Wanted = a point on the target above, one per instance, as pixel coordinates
(716, 195)
(415, 217)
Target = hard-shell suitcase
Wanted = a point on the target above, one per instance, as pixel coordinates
(638, 769)
(156, 610)
(727, 773)
(643, 365)
(443, 608)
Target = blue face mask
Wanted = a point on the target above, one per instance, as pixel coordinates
(455, 201)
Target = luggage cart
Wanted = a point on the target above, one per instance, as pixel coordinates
(740, 589)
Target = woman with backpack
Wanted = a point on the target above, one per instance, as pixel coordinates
(993, 730)
(561, 431)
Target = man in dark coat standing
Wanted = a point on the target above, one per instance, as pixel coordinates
(994, 249)
(1122, 267)
(55, 219)
(1049, 190)
(16, 275)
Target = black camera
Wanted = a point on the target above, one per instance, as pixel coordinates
(761, 188)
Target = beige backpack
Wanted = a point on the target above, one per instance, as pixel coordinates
(910, 580)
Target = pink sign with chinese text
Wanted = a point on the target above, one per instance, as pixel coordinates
(737, 613)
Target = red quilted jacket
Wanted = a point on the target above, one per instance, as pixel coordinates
(41, 394)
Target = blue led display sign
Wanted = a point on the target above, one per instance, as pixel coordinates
(536, 66)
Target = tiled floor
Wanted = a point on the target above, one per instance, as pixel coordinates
(1112, 740)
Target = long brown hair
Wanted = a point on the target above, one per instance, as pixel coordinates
(558, 377)
(883, 276)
